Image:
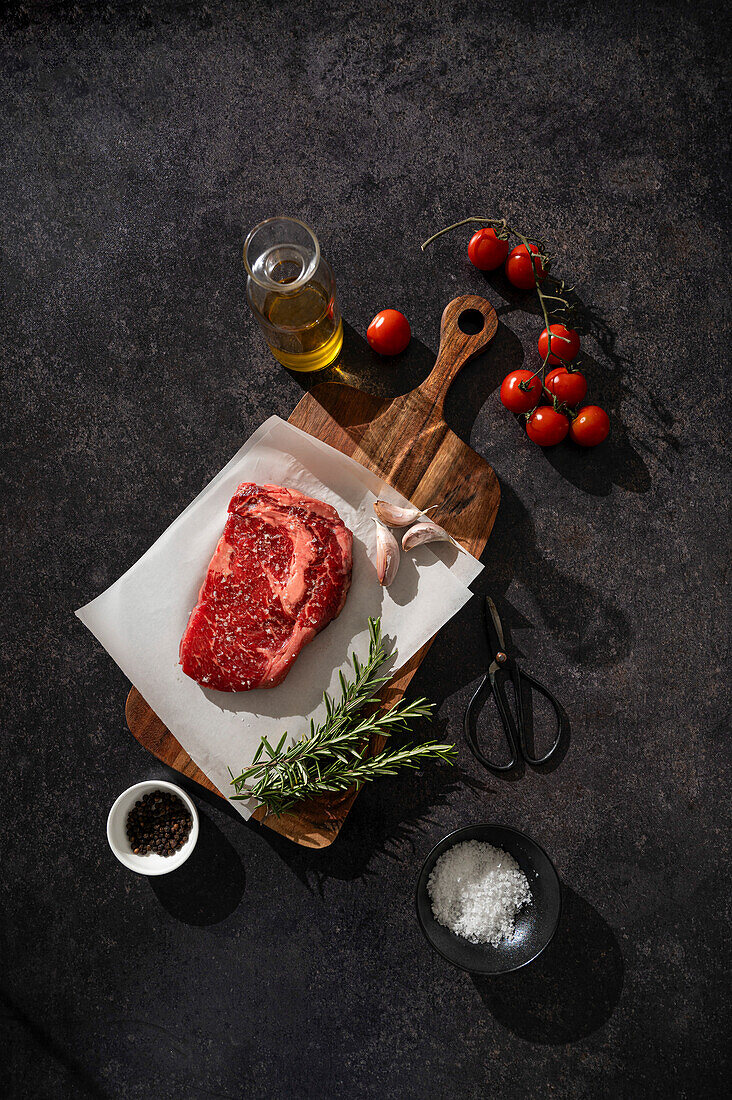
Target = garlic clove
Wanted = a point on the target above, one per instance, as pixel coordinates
(387, 554)
(396, 516)
(426, 531)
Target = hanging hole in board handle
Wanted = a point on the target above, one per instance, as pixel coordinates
(468, 315)
(471, 322)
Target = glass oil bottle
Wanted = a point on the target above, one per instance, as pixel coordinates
(292, 292)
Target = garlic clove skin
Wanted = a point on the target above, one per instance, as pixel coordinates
(426, 531)
(396, 516)
(387, 554)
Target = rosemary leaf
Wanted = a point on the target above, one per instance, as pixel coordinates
(330, 757)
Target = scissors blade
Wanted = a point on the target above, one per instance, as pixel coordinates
(496, 620)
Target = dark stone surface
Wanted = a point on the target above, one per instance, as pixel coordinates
(139, 143)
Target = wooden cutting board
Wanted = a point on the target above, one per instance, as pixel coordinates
(407, 442)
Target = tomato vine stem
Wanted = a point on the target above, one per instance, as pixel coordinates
(503, 231)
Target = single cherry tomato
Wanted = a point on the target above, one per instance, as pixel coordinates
(520, 270)
(487, 251)
(565, 344)
(546, 426)
(519, 400)
(590, 426)
(569, 387)
(389, 332)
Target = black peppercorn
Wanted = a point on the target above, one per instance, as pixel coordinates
(159, 822)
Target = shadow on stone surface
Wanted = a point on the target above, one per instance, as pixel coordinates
(586, 623)
(202, 794)
(385, 815)
(615, 462)
(571, 990)
(20, 1029)
(595, 470)
(581, 618)
(383, 376)
(478, 379)
(209, 885)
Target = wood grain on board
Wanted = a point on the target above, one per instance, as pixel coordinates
(406, 441)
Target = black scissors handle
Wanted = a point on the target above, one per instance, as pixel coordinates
(494, 681)
(518, 676)
(514, 728)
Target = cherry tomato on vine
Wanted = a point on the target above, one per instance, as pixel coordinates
(519, 269)
(514, 398)
(565, 344)
(486, 251)
(389, 332)
(590, 426)
(569, 387)
(546, 426)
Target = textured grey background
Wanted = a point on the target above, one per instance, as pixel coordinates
(138, 146)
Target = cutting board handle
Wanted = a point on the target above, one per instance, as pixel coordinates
(458, 346)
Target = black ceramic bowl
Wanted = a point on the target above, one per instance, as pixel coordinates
(535, 923)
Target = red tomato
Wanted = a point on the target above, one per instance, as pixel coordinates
(568, 387)
(590, 426)
(565, 344)
(546, 426)
(518, 400)
(519, 269)
(389, 332)
(487, 251)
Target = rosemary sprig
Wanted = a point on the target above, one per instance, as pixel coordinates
(331, 756)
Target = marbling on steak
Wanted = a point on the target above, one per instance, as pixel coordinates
(280, 573)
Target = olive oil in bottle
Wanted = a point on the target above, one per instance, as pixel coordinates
(309, 326)
(291, 290)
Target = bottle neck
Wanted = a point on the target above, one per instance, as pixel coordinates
(281, 255)
(283, 268)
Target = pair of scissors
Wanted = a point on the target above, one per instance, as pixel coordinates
(501, 669)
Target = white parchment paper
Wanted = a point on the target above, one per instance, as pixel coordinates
(140, 619)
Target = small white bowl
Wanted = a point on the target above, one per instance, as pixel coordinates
(152, 864)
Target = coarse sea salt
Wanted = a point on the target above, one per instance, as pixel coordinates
(476, 891)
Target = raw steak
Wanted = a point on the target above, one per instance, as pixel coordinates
(280, 573)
